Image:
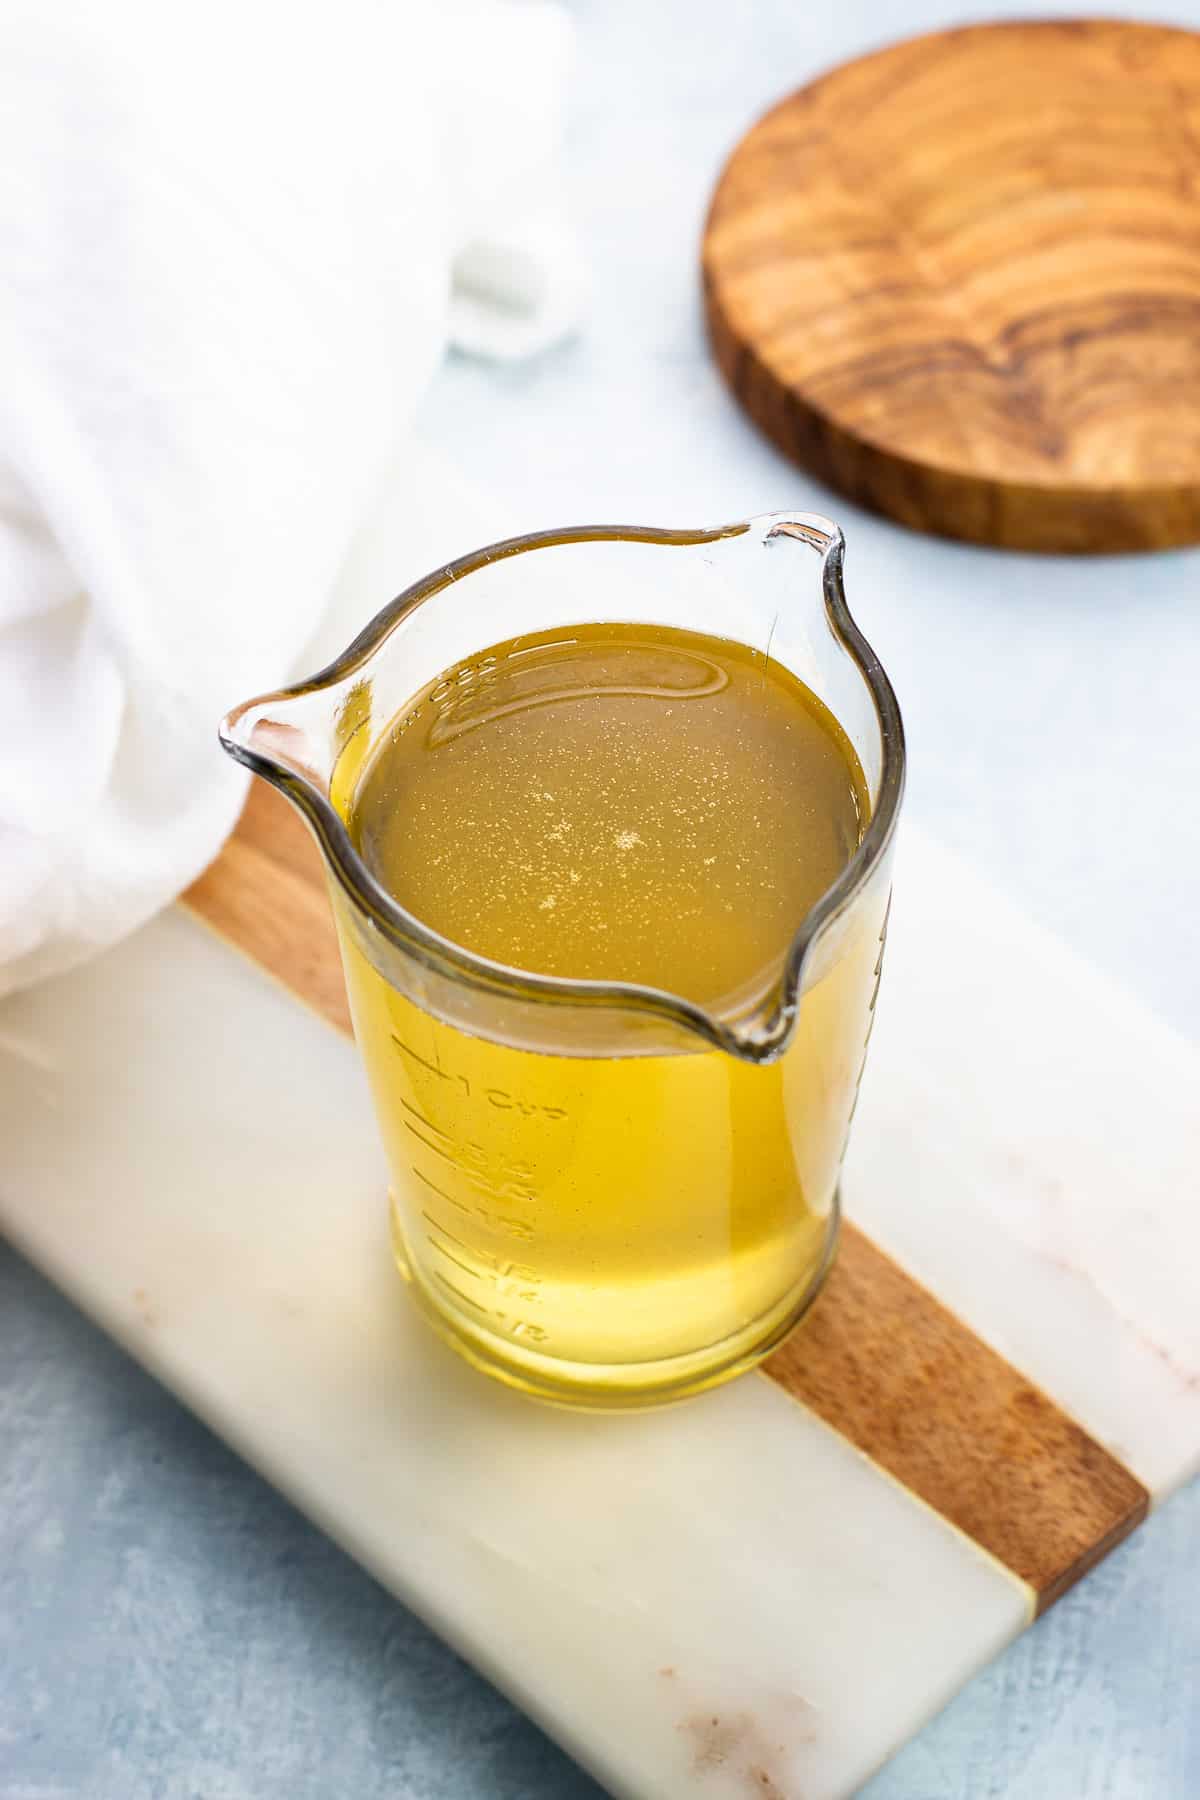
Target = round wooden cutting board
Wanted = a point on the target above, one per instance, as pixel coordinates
(959, 280)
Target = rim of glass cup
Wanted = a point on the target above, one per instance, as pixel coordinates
(763, 1033)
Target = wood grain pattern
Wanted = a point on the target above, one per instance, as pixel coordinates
(959, 280)
(907, 1382)
(878, 1358)
(266, 893)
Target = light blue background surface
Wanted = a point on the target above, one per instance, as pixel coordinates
(172, 1630)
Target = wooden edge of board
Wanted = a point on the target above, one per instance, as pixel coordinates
(907, 1382)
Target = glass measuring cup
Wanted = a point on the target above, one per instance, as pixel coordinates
(601, 1192)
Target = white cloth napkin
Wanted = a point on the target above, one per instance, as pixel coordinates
(235, 241)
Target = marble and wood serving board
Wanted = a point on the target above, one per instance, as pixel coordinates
(764, 1591)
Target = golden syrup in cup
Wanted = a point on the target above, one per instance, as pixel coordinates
(623, 803)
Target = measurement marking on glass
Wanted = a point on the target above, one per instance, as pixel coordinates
(497, 1190)
(457, 1260)
(459, 1263)
(432, 1067)
(516, 1228)
(461, 1204)
(526, 1328)
(485, 1310)
(436, 1148)
(445, 1231)
(500, 1269)
(428, 1123)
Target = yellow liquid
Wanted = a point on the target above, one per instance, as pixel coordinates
(623, 803)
